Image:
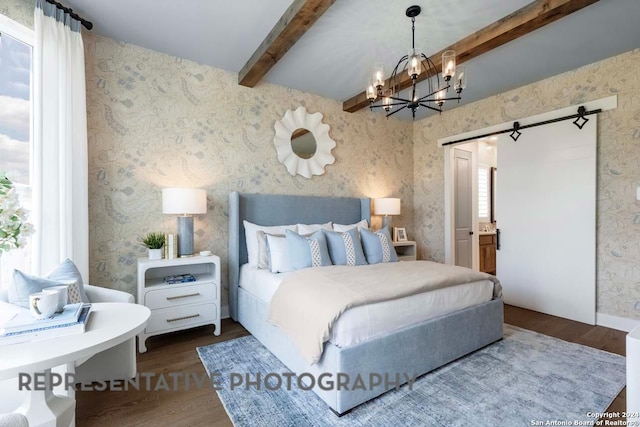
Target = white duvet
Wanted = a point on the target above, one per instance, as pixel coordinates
(369, 321)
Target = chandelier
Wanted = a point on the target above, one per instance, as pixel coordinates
(414, 63)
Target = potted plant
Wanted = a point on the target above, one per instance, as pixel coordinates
(154, 242)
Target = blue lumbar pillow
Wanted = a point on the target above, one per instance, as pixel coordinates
(308, 251)
(378, 246)
(345, 248)
(65, 274)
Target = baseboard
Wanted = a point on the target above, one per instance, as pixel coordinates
(224, 312)
(615, 322)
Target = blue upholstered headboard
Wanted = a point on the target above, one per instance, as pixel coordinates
(273, 209)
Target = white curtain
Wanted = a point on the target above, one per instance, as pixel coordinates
(60, 178)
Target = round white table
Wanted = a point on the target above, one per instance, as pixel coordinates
(109, 324)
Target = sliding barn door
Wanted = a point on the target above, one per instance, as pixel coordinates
(546, 213)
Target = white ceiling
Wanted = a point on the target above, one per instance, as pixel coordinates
(334, 58)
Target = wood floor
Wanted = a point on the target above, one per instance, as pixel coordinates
(201, 407)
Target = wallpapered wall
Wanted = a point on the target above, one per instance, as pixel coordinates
(156, 121)
(618, 212)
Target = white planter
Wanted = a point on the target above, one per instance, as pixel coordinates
(155, 253)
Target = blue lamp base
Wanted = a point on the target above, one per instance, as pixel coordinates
(386, 222)
(185, 236)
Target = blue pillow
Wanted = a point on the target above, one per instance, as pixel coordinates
(378, 246)
(68, 272)
(345, 248)
(307, 251)
(24, 284)
(64, 274)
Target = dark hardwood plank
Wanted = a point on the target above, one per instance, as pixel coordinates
(523, 21)
(175, 352)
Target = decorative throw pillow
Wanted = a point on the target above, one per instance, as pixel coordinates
(341, 228)
(278, 254)
(24, 284)
(378, 246)
(345, 248)
(65, 274)
(304, 229)
(263, 249)
(309, 251)
(68, 273)
(251, 239)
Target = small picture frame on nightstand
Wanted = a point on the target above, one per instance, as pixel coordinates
(399, 234)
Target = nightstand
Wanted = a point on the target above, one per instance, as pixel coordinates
(181, 305)
(406, 250)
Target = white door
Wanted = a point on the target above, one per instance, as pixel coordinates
(546, 205)
(463, 208)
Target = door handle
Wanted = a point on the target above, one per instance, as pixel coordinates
(471, 233)
(497, 239)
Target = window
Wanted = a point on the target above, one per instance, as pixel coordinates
(16, 42)
(484, 197)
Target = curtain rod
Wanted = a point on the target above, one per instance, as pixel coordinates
(582, 112)
(87, 24)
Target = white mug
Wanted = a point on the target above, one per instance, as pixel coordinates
(62, 291)
(43, 304)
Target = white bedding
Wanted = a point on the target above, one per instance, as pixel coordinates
(373, 320)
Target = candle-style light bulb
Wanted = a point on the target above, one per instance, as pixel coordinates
(439, 98)
(378, 75)
(386, 101)
(414, 66)
(448, 64)
(371, 92)
(461, 79)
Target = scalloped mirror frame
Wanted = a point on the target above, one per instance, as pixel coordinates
(296, 165)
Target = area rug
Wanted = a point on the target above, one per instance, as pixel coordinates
(523, 379)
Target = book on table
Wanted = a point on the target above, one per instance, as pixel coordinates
(179, 278)
(22, 320)
(40, 332)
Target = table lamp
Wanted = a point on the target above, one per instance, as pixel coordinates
(386, 206)
(185, 202)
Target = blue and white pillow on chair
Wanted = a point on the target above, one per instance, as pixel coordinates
(345, 248)
(378, 246)
(308, 251)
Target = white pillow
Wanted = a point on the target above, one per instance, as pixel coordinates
(251, 238)
(312, 228)
(278, 254)
(342, 228)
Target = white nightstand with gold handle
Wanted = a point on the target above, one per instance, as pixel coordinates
(180, 305)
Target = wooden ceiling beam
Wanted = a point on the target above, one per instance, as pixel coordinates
(523, 21)
(298, 18)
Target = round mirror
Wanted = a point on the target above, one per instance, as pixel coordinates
(303, 143)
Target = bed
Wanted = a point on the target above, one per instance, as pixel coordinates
(417, 348)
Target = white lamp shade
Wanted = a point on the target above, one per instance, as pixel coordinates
(386, 206)
(184, 201)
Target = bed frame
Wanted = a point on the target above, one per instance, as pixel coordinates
(415, 350)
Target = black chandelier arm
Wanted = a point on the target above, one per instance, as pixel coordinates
(389, 105)
(431, 108)
(396, 111)
(433, 93)
(431, 66)
(455, 98)
(398, 99)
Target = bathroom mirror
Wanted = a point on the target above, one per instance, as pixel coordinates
(303, 144)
